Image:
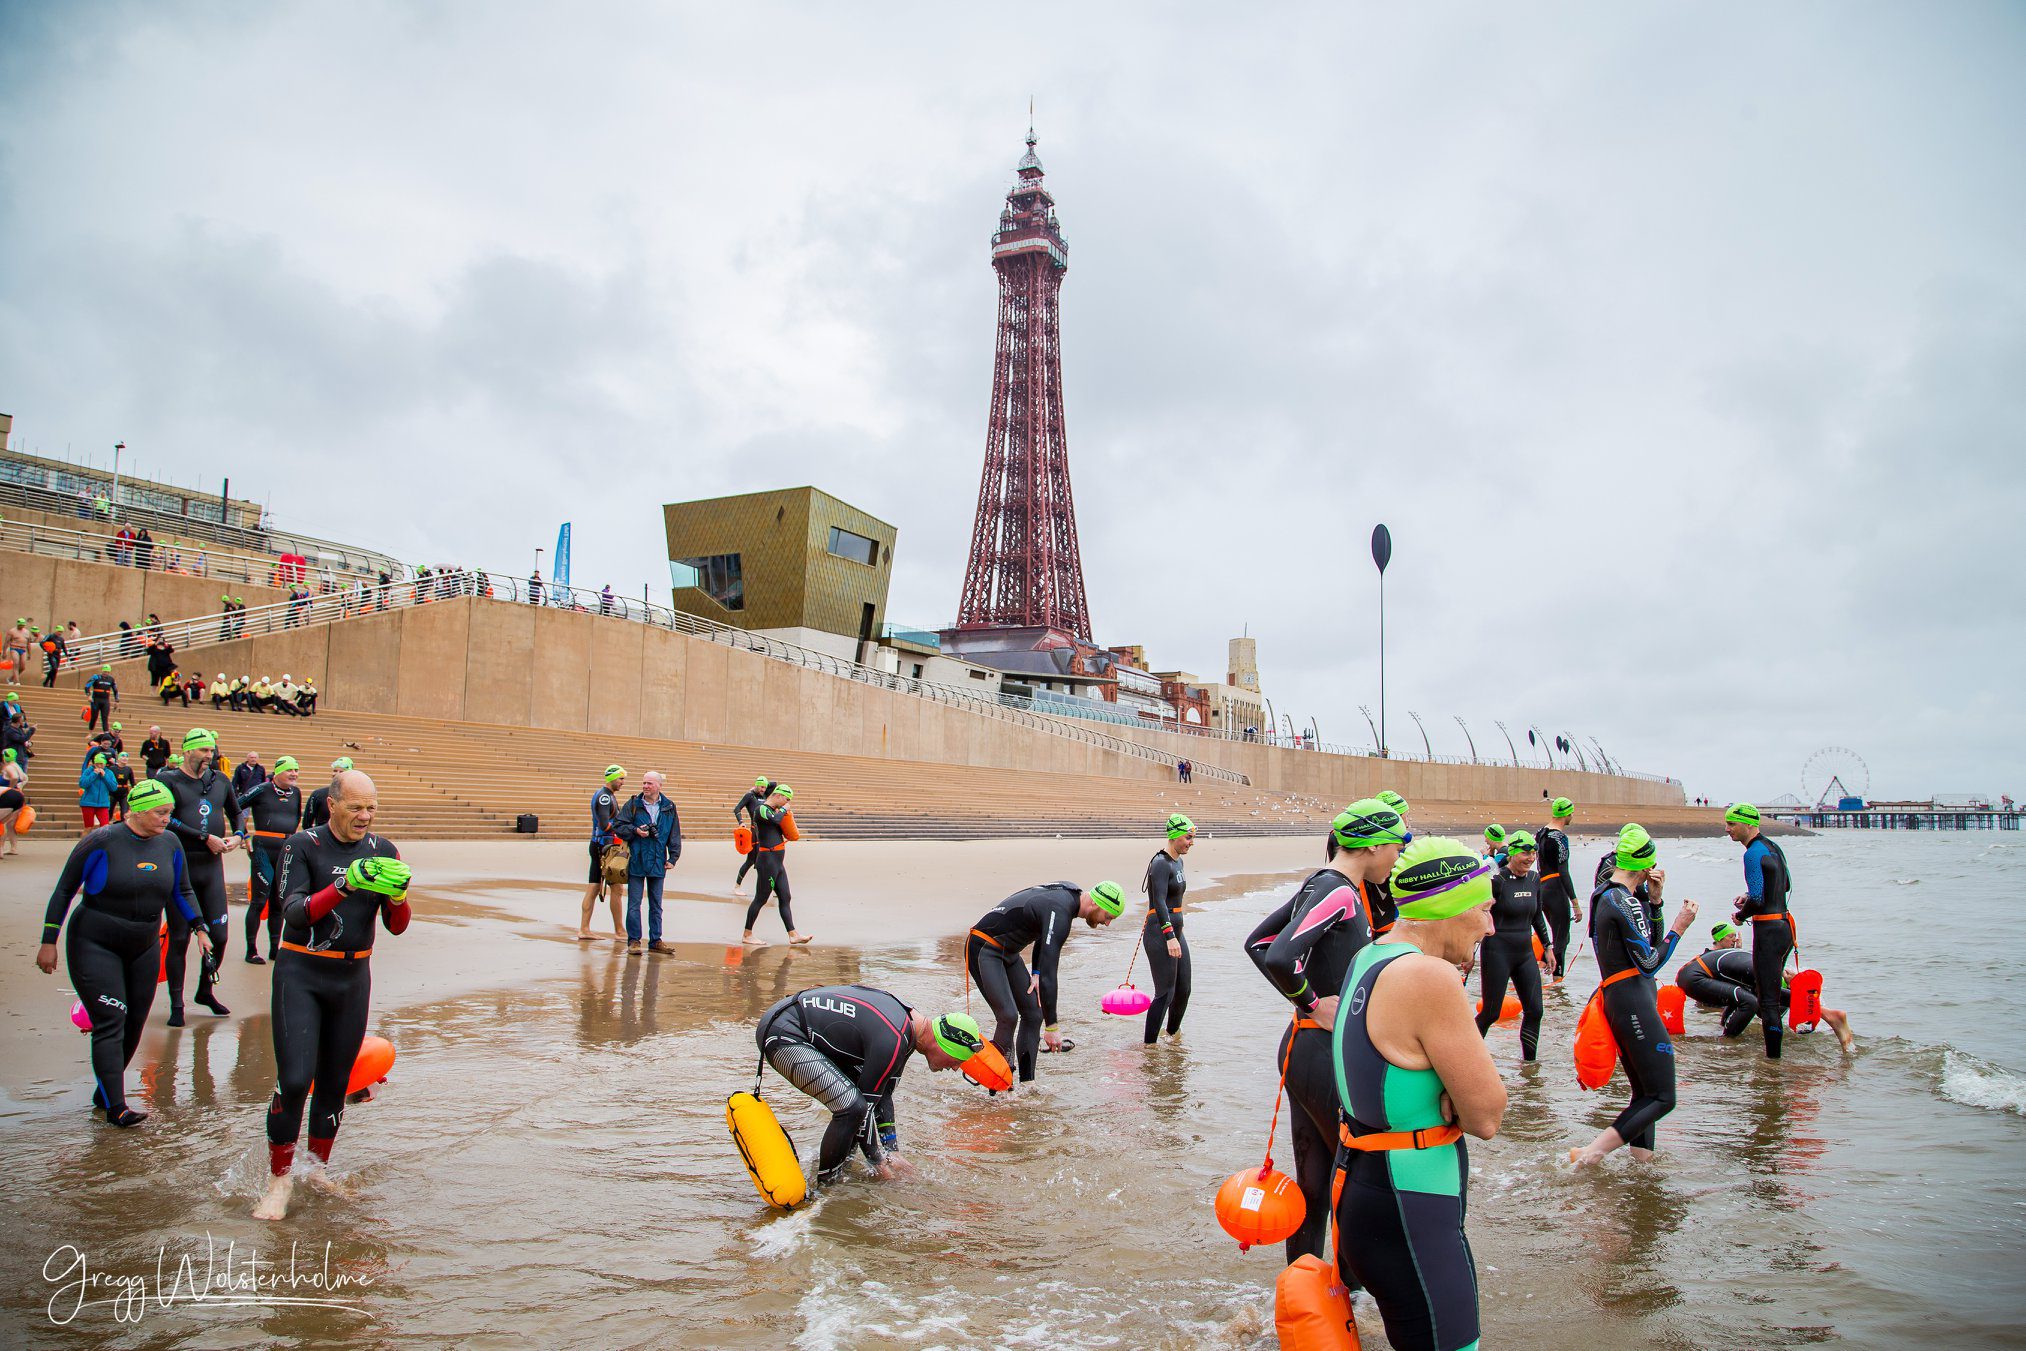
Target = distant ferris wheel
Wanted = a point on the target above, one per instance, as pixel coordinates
(1834, 772)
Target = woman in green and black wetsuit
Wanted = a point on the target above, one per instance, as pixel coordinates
(1404, 1042)
(1167, 949)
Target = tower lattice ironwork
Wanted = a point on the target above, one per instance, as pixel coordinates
(1025, 568)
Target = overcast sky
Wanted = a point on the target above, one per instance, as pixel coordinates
(1683, 347)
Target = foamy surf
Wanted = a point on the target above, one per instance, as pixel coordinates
(781, 1236)
(1979, 1083)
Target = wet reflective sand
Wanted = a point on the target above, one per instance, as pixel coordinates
(550, 1161)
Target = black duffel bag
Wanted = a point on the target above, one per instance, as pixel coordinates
(526, 824)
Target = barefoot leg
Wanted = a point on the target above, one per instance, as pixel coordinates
(274, 1206)
(1591, 1153)
(1839, 1023)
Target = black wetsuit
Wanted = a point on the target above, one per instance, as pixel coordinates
(274, 814)
(1165, 886)
(1624, 930)
(1042, 916)
(845, 1046)
(1507, 954)
(1724, 978)
(323, 985)
(100, 691)
(749, 806)
(1558, 892)
(604, 806)
(1304, 949)
(316, 810)
(205, 809)
(770, 858)
(128, 883)
(1767, 882)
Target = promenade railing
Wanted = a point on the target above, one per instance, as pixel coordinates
(219, 565)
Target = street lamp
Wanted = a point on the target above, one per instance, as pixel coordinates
(1369, 723)
(1426, 749)
(1382, 554)
(1508, 743)
(118, 447)
(1467, 737)
(1540, 738)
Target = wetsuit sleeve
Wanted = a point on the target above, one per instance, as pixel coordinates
(246, 798)
(886, 1131)
(1261, 938)
(1643, 954)
(1048, 955)
(1755, 878)
(1159, 875)
(1284, 960)
(740, 808)
(234, 813)
(1541, 930)
(185, 895)
(86, 860)
(394, 915)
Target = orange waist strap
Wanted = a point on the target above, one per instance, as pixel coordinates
(1786, 915)
(325, 952)
(1428, 1137)
(1303, 1021)
(1549, 877)
(770, 848)
(270, 834)
(981, 934)
(1626, 974)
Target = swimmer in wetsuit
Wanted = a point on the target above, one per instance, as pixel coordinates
(1494, 844)
(1628, 953)
(273, 810)
(604, 812)
(1413, 1077)
(207, 823)
(1167, 948)
(316, 810)
(1042, 916)
(1304, 949)
(749, 806)
(770, 848)
(845, 1046)
(1767, 882)
(1724, 978)
(339, 884)
(1507, 953)
(130, 873)
(1558, 884)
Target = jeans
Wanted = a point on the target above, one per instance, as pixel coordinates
(634, 886)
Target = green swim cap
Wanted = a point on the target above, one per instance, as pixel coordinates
(1180, 825)
(1109, 898)
(1635, 849)
(1494, 834)
(10, 755)
(197, 739)
(149, 794)
(1561, 807)
(1366, 824)
(118, 725)
(106, 669)
(1437, 878)
(99, 758)
(760, 782)
(1721, 930)
(785, 791)
(1393, 800)
(285, 764)
(614, 772)
(959, 1036)
(13, 698)
(1742, 814)
(341, 764)
(1521, 842)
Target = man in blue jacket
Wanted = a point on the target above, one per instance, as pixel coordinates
(653, 835)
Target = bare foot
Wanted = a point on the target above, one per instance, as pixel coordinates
(1583, 1158)
(753, 942)
(1839, 1023)
(585, 937)
(274, 1206)
(328, 1183)
(801, 940)
(1641, 1155)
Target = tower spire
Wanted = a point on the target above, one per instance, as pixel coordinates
(1026, 569)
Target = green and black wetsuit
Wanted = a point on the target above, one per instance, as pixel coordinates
(1166, 886)
(1042, 916)
(1507, 954)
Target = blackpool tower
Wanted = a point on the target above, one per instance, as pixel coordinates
(1025, 570)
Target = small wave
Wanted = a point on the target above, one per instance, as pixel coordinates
(779, 1237)
(1906, 881)
(1979, 1083)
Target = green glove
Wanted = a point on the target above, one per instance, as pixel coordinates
(385, 876)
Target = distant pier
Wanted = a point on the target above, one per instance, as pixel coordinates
(1900, 818)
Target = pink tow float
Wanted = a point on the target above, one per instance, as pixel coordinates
(1126, 1001)
(78, 1016)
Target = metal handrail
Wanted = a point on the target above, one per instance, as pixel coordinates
(255, 621)
(91, 546)
(322, 553)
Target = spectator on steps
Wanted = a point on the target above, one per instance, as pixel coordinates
(16, 731)
(306, 698)
(652, 830)
(144, 549)
(161, 661)
(220, 693)
(239, 694)
(171, 687)
(249, 776)
(155, 751)
(129, 640)
(193, 688)
(72, 636)
(52, 657)
(285, 695)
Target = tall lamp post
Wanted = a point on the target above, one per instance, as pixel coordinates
(1426, 749)
(1508, 743)
(118, 447)
(1382, 554)
(1367, 711)
(1468, 737)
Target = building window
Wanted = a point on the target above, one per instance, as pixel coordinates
(918, 670)
(718, 576)
(857, 548)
